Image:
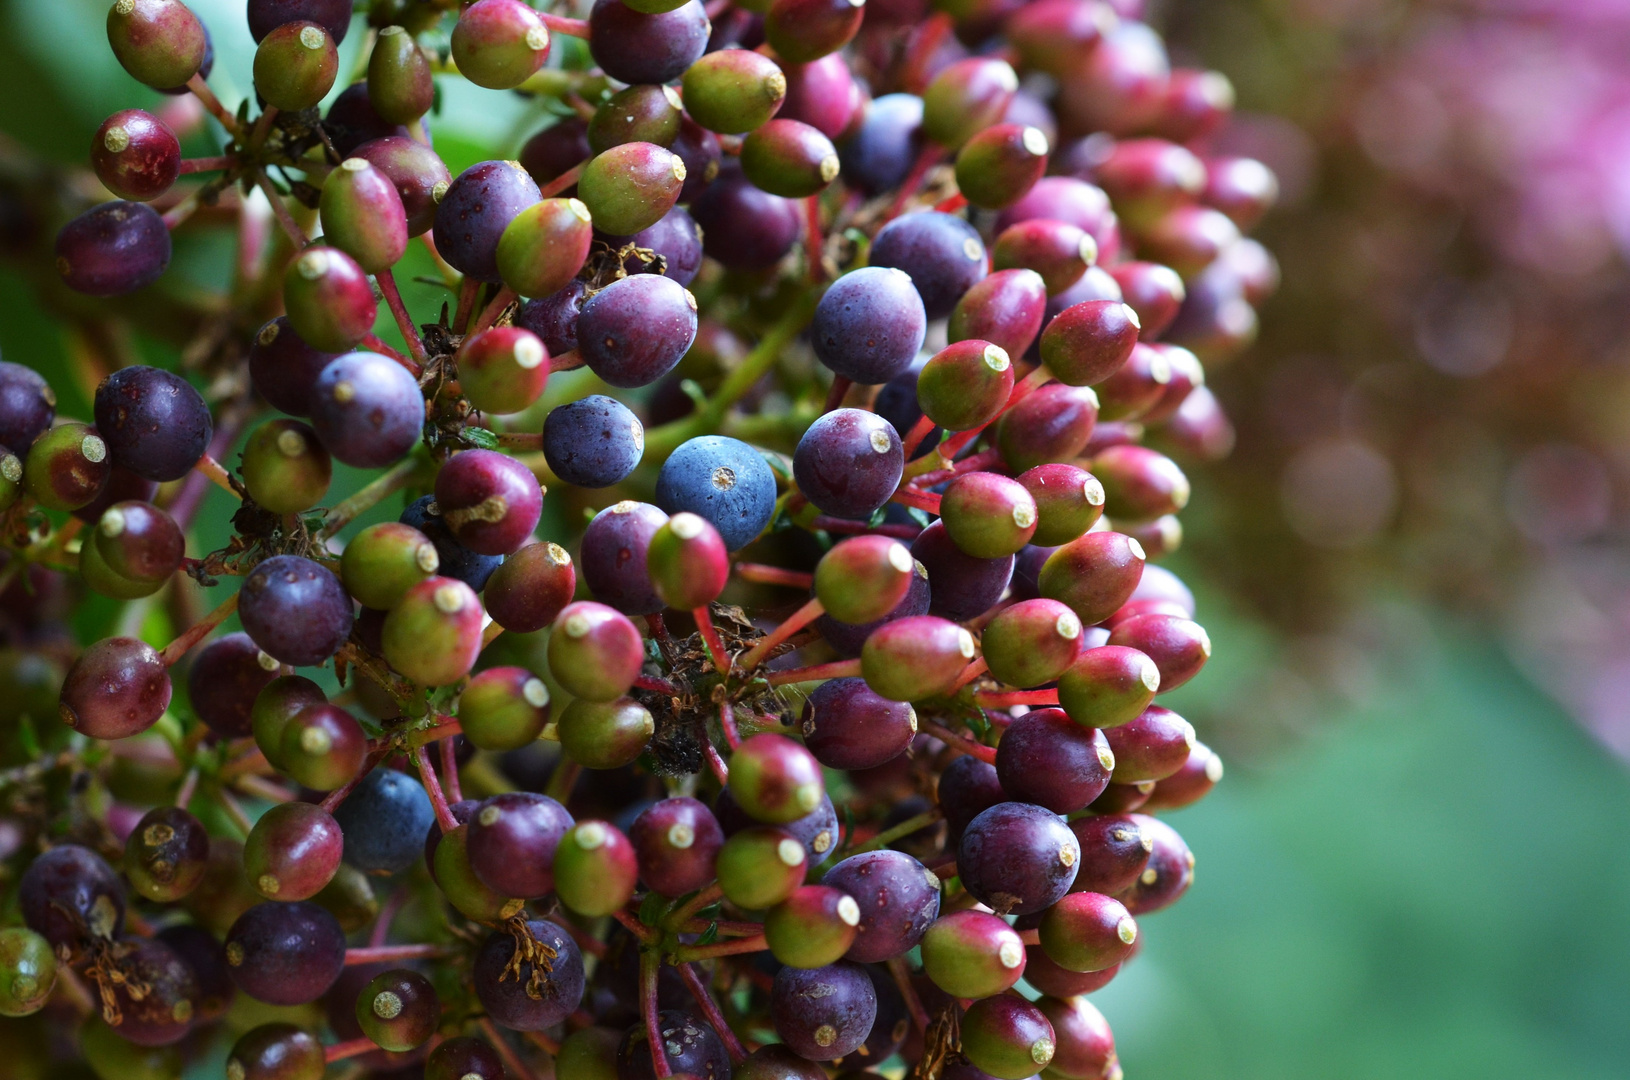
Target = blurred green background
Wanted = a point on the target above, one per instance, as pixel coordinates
(1417, 862)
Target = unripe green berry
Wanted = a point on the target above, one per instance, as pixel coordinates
(605, 734)
(285, 467)
(630, 187)
(384, 561)
(295, 66)
(400, 87)
(504, 708)
(433, 634)
(636, 114)
(789, 158)
(362, 215)
(544, 246)
(733, 91)
(28, 971)
(159, 42)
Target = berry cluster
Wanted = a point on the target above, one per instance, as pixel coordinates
(840, 829)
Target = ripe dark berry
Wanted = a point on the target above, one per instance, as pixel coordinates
(295, 609)
(27, 407)
(848, 726)
(869, 325)
(113, 249)
(1057, 250)
(512, 842)
(453, 559)
(1151, 746)
(675, 243)
(1179, 647)
(463, 1057)
(367, 410)
(491, 501)
(1169, 872)
(554, 318)
(476, 208)
(1017, 858)
(534, 996)
(722, 480)
(135, 155)
(1047, 759)
(415, 170)
(823, 1013)
(943, 254)
(899, 899)
(961, 586)
(285, 954)
(743, 227)
(638, 48)
(690, 1046)
(1189, 784)
(613, 561)
(384, 820)
(634, 331)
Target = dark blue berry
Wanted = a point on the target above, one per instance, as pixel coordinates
(943, 254)
(594, 442)
(384, 821)
(722, 480)
(154, 422)
(870, 325)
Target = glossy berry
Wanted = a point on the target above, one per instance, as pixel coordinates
(631, 186)
(743, 227)
(400, 87)
(733, 91)
(1060, 252)
(1069, 501)
(135, 155)
(1047, 759)
(596, 868)
(165, 854)
(1169, 872)
(159, 42)
(942, 253)
(276, 704)
(285, 468)
(849, 462)
(415, 170)
(690, 1046)
(27, 407)
(476, 208)
(848, 726)
(544, 246)
(988, 515)
(898, 897)
(1087, 931)
(688, 562)
(450, 867)
(224, 681)
(295, 610)
(367, 410)
(117, 688)
(1017, 858)
(534, 996)
(295, 66)
(965, 385)
(1031, 643)
(1049, 425)
(636, 114)
(805, 30)
(915, 658)
(322, 747)
(491, 501)
(383, 561)
(1005, 309)
(678, 842)
(433, 634)
(593, 442)
(462, 1057)
(113, 249)
(638, 48)
(614, 564)
(70, 896)
(813, 927)
(822, 94)
(967, 788)
(962, 586)
(384, 819)
(760, 866)
(455, 560)
(605, 735)
(972, 954)
(153, 422)
(293, 851)
(722, 480)
(499, 43)
(398, 1010)
(823, 1013)
(1243, 188)
(512, 842)
(137, 540)
(847, 639)
(1007, 1037)
(503, 708)
(330, 302)
(283, 368)
(863, 578)
(774, 779)
(285, 954)
(267, 15)
(885, 145)
(675, 247)
(1154, 291)
(1179, 647)
(363, 215)
(530, 588)
(635, 330)
(28, 971)
(1108, 686)
(1094, 575)
(1152, 746)
(998, 165)
(789, 158)
(869, 325)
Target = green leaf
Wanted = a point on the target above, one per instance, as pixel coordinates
(919, 515)
(879, 516)
(652, 909)
(710, 935)
(481, 437)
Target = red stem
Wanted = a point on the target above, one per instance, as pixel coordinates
(922, 500)
(727, 721)
(985, 459)
(178, 648)
(920, 48)
(284, 218)
(449, 768)
(656, 685)
(202, 92)
(563, 181)
(914, 1004)
(914, 179)
(1032, 382)
(566, 361)
(849, 527)
(715, 649)
(648, 1011)
(489, 315)
(432, 787)
(814, 238)
(774, 575)
(951, 204)
(383, 349)
(835, 396)
(919, 431)
(558, 24)
(837, 669)
(387, 914)
(710, 1009)
(1004, 699)
(207, 164)
(349, 1049)
(644, 933)
(399, 312)
(975, 668)
(961, 742)
(789, 626)
(721, 771)
(467, 291)
(722, 948)
(389, 954)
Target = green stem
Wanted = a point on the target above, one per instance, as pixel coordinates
(904, 829)
(368, 496)
(664, 440)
